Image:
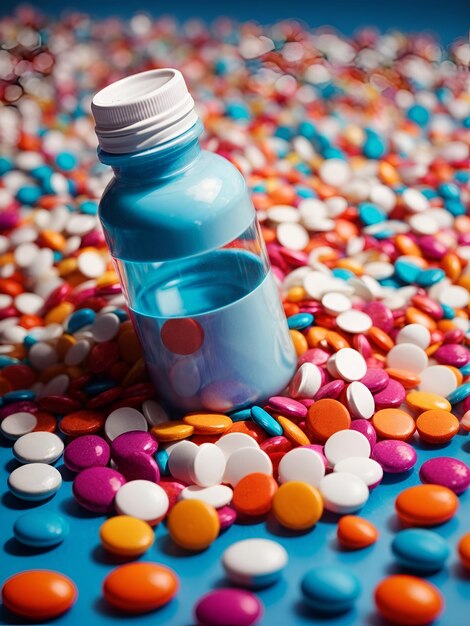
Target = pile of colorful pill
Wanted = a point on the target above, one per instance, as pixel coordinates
(356, 152)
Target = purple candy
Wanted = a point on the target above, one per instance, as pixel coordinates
(228, 607)
(133, 441)
(139, 466)
(96, 487)
(287, 406)
(364, 427)
(18, 407)
(432, 247)
(375, 379)
(9, 219)
(454, 336)
(394, 456)
(446, 471)
(392, 396)
(86, 451)
(331, 390)
(452, 354)
(380, 315)
(227, 516)
(319, 450)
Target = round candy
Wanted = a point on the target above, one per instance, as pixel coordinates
(41, 528)
(350, 364)
(228, 607)
(215, 495)
(420, 550)
(306, 382)
(343, 492)
(254, 562)
(133, 441)
(464, 550)
(34, 481)
(82, 423)
(140, 587)
(39, 594)
(330, 589)
(227, 517)
(302, 464)
(446, 471)
(426, 505)
(355, 533)
(394, 424)
(364, 427)
(408, 600)
(437, 426)
(38, 447)
(208, 423)
(18, 424)
(139, 465)
(172, 430)
(287, 406)
(266, 421)
(123, 420)
(425, 401)
(360, 400)
(86, 451)
(253, 494)
(246, 461)
(326, 417)
(234, 441)
(297, 505)
(96, 487)
(354, 321)
(293, 432)
(407, 356)
(127, 536)
(438, 379)
(193, 524)
(366, 469)
(345, 444)
(394, 456)
(142, 499)
(416, 334)
(391, 396)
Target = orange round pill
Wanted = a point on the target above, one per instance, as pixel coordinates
(393, 424)
(426, 505)
(463, 548)
(82, 423)
(253, 494)
(380, 338)
(297, 505)
(172, 430)
(140, 587)
(299, 341)
(46, 422)
(193, 524)
(208, 423)
(39, 594)
(355, 532)
(248, 428)
(407, 600)
(437, 426)
(409, 380)
(425, 401)
(326, 417)
(292, 431)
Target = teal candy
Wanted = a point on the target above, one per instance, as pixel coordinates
(161, 457)
(41, 529)
(300, 321)
(344, 274)
(459, 394)
(266, 421)
(28, 194)
(240, 416)
(455, 206)
(371, 214)
(406, 271)
(449, 190)
(426, 278)
(418, 114)
(79, 319)
(420, 550)
(330, 588)
(465, 370)
(448, 311)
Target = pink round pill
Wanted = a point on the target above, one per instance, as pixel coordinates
(446, 471)
(95, 488)
(394, 456)
(362, 345)
(332, 390)
(317, 356)
(318, 448)
(380, 315)
(452, 354)
(227, 607)
(139, 466)
(364, 427)
(173, 489)
(86, 451)
(227, 516)
(391, 396)
(375, 379)
(287, 406)
(133, 441)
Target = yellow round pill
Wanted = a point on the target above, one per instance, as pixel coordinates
(208, 423)
(425, 401)
(172, 431)
(126, 535)
(292, 431)
(297, 505)
(193, 524)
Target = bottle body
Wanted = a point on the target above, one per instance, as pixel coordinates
(193, 266)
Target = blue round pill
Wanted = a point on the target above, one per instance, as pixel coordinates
(426, 278)
(41, 529)
(300, 321)
(459, 394)
(161, 457)
(331, 588)
(406, 271)
(241, 415)
(19, 395)
(266, 421)
(79, 319)
(420, 550)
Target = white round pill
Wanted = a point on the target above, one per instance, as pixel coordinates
(407, 356)
(343, 492)
(29, 303)
(367, 470)
(142, 499)
(254, 562)
(246, 461)
(91, 264)
(123, 420)
(42, 355)
(34, 481)
(302, 464)
(105, 327)
(360, 400)
(350, 364)
(438, 379)
(345, 443)
(154, 413)
(216, 495)
(38, 447)
(77, 353)
(454, 296)
(208, 465)
(292, 235)
(306, 381)
(181, 460)
(354, 322)
(414, 333)
(18, 424)
(335, 303)
(234, 441)
(335, 172)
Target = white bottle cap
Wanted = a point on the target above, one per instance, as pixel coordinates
(142, 111)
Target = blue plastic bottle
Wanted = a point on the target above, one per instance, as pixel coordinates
(187, 246)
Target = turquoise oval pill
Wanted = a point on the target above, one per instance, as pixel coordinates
(41, 529)
(79, 319)
(448, 311)
(19, 395)
(330, 588)
(406, 271)
(266, 421)
(465, 370)
(241, 415)
(161, 457)
(300, 321)
(459, 394)
(420, 550)
(371, 214)
(426, 278)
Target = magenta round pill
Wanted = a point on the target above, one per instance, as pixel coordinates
(139, 466)
(86, 451)
(380, 315)
(227, 516)
(375, 379)
(318, 448)
(133, 441)
(452, 354)
(391, 396)
(331, 390)
(96, 487)
(362, 345)
(446, 471)
(287, 406)
(364, 427)
(228, 607)
(394, 456)
(317, 356)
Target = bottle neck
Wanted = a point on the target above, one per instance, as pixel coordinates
(161, 162)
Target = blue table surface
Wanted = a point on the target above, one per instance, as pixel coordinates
(82, 558)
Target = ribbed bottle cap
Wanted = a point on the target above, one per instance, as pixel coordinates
(142, 111)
